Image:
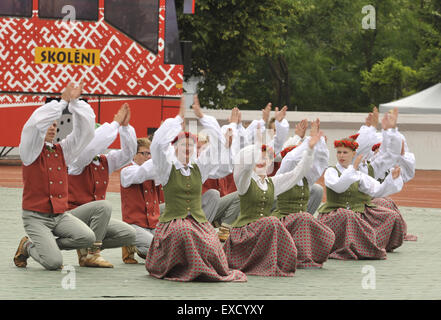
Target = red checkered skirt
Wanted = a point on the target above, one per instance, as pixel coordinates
(313, 239)
(262, 248)
(355, 238)
(185, 250)
(388, 224)
(390, 204)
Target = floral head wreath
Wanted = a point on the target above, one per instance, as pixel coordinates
(348, 143)
(285, 151)
(376, 146)
(354, 136)
(268, 150)
(183, 134)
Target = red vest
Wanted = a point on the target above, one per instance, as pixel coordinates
(90, 185)
(140, 204)
(218, 184)
(230, 184)
(45, 182)
(160, 194)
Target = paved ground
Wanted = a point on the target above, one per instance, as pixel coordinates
(412, 272)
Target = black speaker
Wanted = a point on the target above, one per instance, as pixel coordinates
(186, 56)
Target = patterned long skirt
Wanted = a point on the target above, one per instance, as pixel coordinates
(185, 250)
(355, 238)
(262, 248)
(390, 204)
(313, 239)
(389, 226)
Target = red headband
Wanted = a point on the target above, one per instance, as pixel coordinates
(346, 143)
(285, 151)
(354, 136)
(268, 150)
(183, 134)
(376, 146)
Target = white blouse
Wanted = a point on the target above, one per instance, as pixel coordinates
(35, 129)
(276, 142)
(213, 162)
(244, 164)
(320, 163)
(104, 137)
(367, 184)
(137, 174)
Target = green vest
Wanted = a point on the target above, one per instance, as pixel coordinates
(370, 170)
(255, 204)
(351, 199)
(365, 197)
(292, 201)
(183, 195)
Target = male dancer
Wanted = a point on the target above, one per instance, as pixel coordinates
(45, 190)
(88, 181)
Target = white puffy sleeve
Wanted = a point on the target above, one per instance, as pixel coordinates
(119, 158)
(83, 119)
(285, 181)
(35, 129)
(104, 137)
(137, 174)
(376, 189)
(244, 163)
(342, 183)
(161, 149)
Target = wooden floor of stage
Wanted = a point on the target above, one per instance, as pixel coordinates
(422, 191)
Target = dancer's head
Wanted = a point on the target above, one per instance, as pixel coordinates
(264, 164)
(142, 151)
(202, 142)
(184, 145)
(51, 132)
(376, 148)
(346, 151)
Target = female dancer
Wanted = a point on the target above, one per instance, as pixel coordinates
(362, 230)
(313, 239)
(186, 246)
(259, 244)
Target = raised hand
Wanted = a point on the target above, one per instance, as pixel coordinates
(375, 117)
(197, 107)
(396, 172)
(182, 108)
(228, 138)
(315, 127)
(121, 114)
(385, 121)
(75, 92)
(66, 95)
(315, 138)
(357, 161)
(394, 118)
(266, 112)
(390, 120)
(301, 127)
(369, 119)
(128, 115)
(234, 117)
(280, 115)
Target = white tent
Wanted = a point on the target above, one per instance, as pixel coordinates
(426, 101)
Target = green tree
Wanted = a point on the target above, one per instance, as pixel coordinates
(388, 80)
(227, 35)
(429, 56)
